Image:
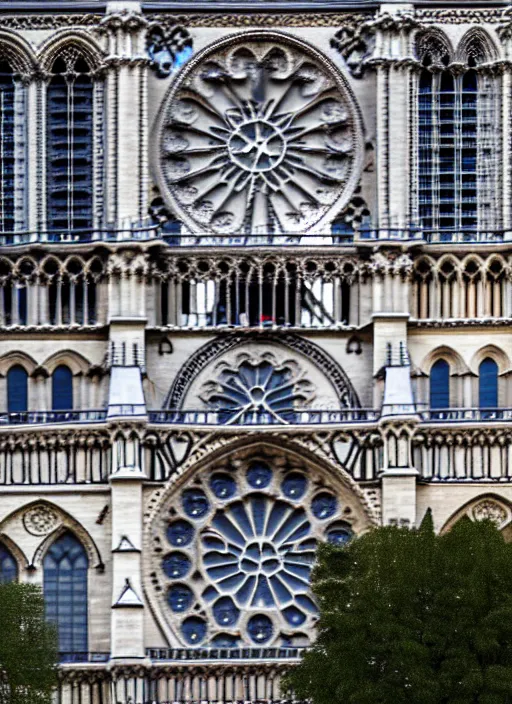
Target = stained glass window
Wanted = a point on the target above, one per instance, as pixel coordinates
(240, 549)
(70, 132)
(62, 389)
(8, 566)
(17, 389)
(488, 384)
(440, 384)
(65, 591)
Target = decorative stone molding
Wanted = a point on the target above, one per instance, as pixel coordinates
(247, 186)
(40, 520)
(212, 350)
(168, 48)
(355, 42)
(490, 510)
(277, 19)
(460, 15)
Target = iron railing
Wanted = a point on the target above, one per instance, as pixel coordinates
(291, 417)
(51, 417)
(447, 415)
(219, 653)
(76, 657)
(147, 232)
(214, 418)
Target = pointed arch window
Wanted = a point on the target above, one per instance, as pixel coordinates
(8, 566)
(458, 145)
(62, 388)
(17, 389)
(12, 148)
(488, 384)
(71, 143)
(440, 385)
(65, 569)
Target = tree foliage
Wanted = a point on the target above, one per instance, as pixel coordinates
(28, 646)
(407, 616)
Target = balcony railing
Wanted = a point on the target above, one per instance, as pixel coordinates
(215, 418)
(76, 657)
(219, 653)
(287, 417)
(451, 415)
(51, 417)
(148, 232)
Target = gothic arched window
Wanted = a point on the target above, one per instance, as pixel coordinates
(8, 566)
(17, 389)
(62, 389)
(11, 148)
(70, 144)
(488, 384)
(458, 158)
(65, 591)
(440, 385)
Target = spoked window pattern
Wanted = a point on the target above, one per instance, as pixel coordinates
(458, 145)
(240, 549)
(259, 392)
(70, 143)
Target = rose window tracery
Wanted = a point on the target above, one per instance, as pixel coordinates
(257, 137)
(258, 391)
(236, 552)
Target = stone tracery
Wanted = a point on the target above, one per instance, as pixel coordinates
(232, 554)
(279, 143)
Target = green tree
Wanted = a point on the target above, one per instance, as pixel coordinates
(407, 616)
(28, 646)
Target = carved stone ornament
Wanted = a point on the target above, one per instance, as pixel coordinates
(491, 511)
(259, 135)
(40, 520)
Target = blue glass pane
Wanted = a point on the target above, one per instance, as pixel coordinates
(339, 533)
(17, 389)
(440, 384)
(62, 389)
(176, 565)
(194, 630)
(180, 533)
(70, 128)
(259, 475)
(65, 591)
(306, 602)
(225, 612)
(225, 640)
(324, 505)
(8, 566)
(7, 145)
(180, 598)
(260, 628)
(223, 486)
(294, 485)
(488, 384)
(195, 503)
(294, 616)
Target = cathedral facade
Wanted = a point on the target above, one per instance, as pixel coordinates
(255, 294)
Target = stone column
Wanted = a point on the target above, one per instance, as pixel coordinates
(127, 624)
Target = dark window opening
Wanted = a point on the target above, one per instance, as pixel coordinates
(17, 389)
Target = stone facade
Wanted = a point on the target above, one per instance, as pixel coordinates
(250, 317)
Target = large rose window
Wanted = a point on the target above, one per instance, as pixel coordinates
(259, 137)
(236, 551)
